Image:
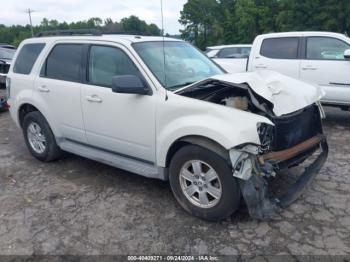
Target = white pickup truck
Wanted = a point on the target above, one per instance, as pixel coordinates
(320, 58)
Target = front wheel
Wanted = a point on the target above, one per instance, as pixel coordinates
(203, 184)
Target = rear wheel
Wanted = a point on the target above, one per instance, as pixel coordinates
(203, 184)
(39, 137)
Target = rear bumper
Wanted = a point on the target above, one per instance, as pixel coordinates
(261, 204)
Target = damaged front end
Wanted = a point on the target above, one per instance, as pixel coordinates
(294, 136)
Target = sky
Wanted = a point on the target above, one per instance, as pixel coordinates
(13, 12)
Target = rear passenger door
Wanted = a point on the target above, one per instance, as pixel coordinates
(280, 54)
(58, 89)
(120, 123)
(325, 65)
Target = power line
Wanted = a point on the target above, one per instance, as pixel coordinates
(30, 11)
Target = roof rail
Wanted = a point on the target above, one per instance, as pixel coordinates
(70, 32)
(135, 33)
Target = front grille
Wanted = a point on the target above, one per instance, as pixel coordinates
(295, 128)
(4, 68)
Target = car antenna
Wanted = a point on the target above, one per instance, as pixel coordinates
(163, 42)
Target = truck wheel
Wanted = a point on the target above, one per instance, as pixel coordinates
(203, 184)
(39, 137)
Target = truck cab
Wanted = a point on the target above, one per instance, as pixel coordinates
(320, 58)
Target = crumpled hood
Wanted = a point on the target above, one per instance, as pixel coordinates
(285, 93)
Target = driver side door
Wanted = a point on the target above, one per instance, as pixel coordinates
(120, 123)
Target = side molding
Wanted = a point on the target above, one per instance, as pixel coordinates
(109, 158)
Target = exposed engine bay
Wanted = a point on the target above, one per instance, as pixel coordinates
(290, 141)
(289, 130)
(241, 97)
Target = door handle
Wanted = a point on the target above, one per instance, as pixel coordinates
(43, 89)
(94, 99)
(309, 68)
(261, 67)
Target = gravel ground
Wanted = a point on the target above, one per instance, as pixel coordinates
(81, 207)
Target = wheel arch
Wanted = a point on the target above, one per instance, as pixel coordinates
(27, 107)
(23, 110)
(198, 140)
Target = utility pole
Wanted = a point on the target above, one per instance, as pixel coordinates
(29, 11)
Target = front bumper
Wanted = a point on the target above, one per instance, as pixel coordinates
(261, 204)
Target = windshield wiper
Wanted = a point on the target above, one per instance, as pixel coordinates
(181, 85)
(1, 60)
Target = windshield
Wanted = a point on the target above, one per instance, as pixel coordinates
(184, 64)
(7, 53)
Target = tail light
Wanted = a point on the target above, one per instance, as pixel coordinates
(8, 87)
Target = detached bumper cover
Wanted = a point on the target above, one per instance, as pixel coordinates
(255, 190)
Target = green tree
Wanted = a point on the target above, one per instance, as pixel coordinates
(133, 24)
(199, 18)
(320, 15)
(208, 22)
(254, 17)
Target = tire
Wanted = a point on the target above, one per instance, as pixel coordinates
(50, 151)
(219, 207)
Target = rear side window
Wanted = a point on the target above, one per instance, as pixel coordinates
(234, 52)
(27, 57)
(63, 63)
(231, 52)
(280, 48)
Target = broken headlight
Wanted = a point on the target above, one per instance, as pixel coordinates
(266, 136)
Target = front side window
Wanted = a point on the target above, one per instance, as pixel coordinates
(106, 62)
(176, 64)
(63, 63)
(27, 57)
(325, 48)
(280, 48)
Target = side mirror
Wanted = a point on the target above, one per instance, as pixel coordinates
(129, 84)
(347, 54)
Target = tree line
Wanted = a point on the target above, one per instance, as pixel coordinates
(213, 22)
(130, 25)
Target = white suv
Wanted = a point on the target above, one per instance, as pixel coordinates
(163, 110)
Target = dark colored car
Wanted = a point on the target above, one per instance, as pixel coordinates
(6, 55)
